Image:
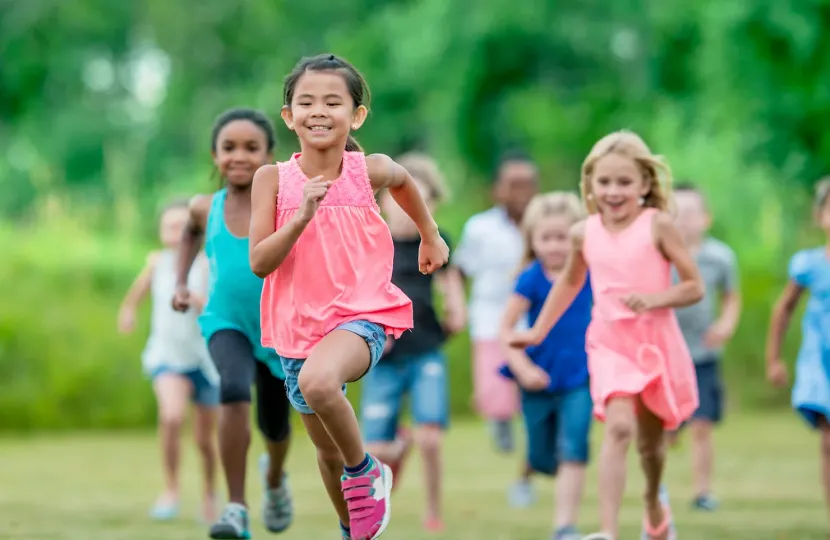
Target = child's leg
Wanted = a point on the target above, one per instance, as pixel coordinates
(540, 423)
(702, 426)
(234, 358)
(173, 393)
(573, 439)
(651, 445)
(381, 399)
(274, 421)
(430, 412)
(205, 436)
(496, 398)
(330, 462)
(824, 429)
(620, 426)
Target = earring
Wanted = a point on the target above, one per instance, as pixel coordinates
(590, 196)
(354, 128)
(642, 201)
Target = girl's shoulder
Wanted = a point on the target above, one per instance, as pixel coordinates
(199, 207)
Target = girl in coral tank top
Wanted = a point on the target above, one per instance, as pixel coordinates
(642, 375)
(328, 303)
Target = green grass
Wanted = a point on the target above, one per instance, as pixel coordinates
(99, 486)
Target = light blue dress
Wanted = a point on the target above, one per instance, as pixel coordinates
(810, 269)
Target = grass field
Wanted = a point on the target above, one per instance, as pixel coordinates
(99, 486)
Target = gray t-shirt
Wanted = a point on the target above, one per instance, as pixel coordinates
(719, 270)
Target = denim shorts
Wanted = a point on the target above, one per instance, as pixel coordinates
(421, 376)
(204, 393)
(375, 337)
(710, 392)
(558, 426)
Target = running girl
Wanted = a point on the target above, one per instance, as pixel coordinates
(177, 362)
(809, 271)
(642, 375)
(553, 377)
(242, 141)
(328, 302)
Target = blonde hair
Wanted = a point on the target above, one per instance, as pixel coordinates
(423, 168)
(822, 193)
(556, 203)
(654, 169)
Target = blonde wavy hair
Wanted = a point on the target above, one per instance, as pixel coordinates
(556, 203)
(424, 168)
(653, 167)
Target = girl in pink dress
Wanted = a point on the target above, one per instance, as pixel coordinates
(642, 375)
(328, 301)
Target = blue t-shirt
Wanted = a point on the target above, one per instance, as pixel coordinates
(562, 354)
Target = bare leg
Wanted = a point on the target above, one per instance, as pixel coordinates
(620, 426)
(428, 437)
(651, 444)
(824, 426)
(204, 434)
(570, 481)
(702, 455)
(172, 394)
(277, 452)
(330, 463)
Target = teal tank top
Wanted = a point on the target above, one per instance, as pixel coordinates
(234, 291)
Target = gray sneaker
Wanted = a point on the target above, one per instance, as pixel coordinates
(566, 533)
(277, 506)
(232, 524)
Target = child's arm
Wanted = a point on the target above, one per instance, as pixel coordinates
(385, 173)
(779, 322)
(192, 238)
(528, 375)
(451, 284)
(726, 324)
(269, 247)
(690, 288)
(564, 291)
(198, 297)
(137, 292)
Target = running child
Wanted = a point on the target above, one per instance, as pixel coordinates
(489, 251)
(553, 377)
(809, 271)
(328, 302)
(241, 142)
(642, 375)
(706, 330)
(177, 362)
(414, 365)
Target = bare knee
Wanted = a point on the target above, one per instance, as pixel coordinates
(651, 446)
(171, 420)
(701, 431)
(620, 431)
(825, 443)
(429, 438)
(318, 387)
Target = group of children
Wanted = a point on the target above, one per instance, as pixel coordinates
(303, 288)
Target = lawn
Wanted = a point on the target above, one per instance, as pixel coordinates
(99, 486)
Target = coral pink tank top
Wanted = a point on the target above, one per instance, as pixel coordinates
(339, 270)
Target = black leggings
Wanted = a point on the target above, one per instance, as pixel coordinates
(233, 356)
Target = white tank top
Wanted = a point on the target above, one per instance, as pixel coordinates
(175, 341)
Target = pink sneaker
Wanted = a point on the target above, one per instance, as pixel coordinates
(368, 497)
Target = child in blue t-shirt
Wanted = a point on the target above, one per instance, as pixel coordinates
(553, 376)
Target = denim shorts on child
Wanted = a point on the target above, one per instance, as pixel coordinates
(204, 393)
(375, 337)
(558, 426)
(423, 377)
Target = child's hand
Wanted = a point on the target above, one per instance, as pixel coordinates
(126, 320)
(433, 254)
(777, 373)
(523, 340)
(533, 378)
(454, 321)
(638, 303)
(716, 336)
(313, 193)
(181, 299)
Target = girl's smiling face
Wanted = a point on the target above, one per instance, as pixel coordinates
(617, 185)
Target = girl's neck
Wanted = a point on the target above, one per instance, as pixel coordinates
(621, 225)
(326, 162)
(239, 191)
(551, 273)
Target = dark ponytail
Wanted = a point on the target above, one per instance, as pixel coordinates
(352, 145)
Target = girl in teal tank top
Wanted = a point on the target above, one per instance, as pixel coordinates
(234, 291)
(242, 141)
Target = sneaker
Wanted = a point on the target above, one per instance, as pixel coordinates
(566, 533)
(502, 431)
(368, 497)
(521, 495)
(672, 530)
(164, 510)
(232, 524)
(597, 536)
(277, 506)
(705, 502)
(433, 525)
